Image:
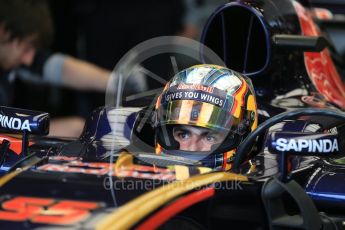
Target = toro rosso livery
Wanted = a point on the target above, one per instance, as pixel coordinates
(288, 171)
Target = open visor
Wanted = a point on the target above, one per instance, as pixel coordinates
(196, 113)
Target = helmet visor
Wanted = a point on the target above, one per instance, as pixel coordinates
(196, 113)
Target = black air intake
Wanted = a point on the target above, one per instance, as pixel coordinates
(236, 32)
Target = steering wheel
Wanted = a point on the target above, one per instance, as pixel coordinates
(244, 147)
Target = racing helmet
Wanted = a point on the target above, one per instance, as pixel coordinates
(207, 96)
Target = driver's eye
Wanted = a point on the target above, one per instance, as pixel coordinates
(183, 135)
(211, 138)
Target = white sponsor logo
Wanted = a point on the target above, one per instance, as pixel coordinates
(311, 146)
(14, 123)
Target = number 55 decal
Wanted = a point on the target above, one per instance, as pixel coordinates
(46, 211)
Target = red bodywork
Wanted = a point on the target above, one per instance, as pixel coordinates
(320, 66)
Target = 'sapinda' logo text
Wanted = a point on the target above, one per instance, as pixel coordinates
(310, 146)
(14, 123)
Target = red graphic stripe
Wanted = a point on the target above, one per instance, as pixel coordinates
(320, 66)
(171, 210)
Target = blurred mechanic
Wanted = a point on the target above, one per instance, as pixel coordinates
(26, 28)
(203, 114)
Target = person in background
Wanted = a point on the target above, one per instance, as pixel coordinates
(120, 25)
(25, 34)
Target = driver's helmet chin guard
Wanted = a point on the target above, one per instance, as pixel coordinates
(207, 96)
